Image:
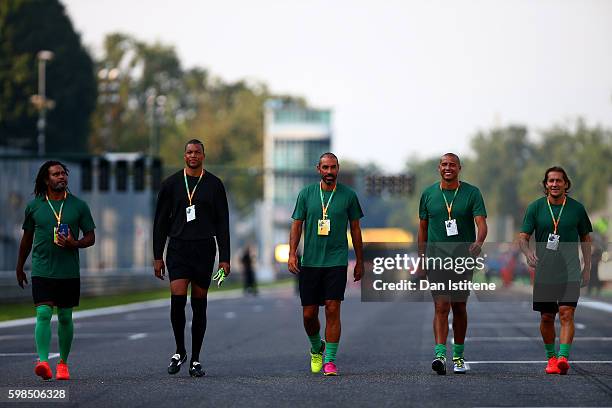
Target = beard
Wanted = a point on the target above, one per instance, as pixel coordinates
(59, 187)
(328, 179)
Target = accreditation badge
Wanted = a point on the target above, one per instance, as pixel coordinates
(190, 212)
(61, 229)
(324, 227)
(451, 227)
(553, 242)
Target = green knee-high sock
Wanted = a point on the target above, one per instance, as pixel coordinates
(440, 350)
(330, 352)
(564, 350)
(65, 331)
(550, 350)
(42, 331)
(315, 343)
(458, 350)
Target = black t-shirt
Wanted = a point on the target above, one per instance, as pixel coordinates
(212, 215)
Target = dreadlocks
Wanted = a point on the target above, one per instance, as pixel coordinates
(40, 186)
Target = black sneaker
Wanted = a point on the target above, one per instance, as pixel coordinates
(439, 365)
(196, 369)
(175, 363)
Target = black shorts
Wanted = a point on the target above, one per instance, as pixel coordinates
(548, 297)
(193, 260)
(443, 277)
(318, 284)
(59, 292)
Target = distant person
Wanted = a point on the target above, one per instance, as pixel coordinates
(559, 223)
(52, 223)
(599, 246)
(324, 210)
(448, 211)
(250, 284)
(192, 210)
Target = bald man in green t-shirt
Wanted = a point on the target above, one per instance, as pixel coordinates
(560, 223)
(324, 210)
(448, 211)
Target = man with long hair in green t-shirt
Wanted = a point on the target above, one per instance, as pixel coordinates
(559, 223)
(52, 223)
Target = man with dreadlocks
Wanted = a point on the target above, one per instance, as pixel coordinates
(52, 223)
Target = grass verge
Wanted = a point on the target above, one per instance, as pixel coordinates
(12, 311)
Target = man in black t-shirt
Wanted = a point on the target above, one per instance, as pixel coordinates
(191, 210)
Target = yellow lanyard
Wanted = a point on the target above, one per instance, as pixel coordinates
(449, 208)
(58, 217)
(556, 222)
(323, 206)
(190, 195)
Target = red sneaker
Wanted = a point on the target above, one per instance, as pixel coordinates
(43, 370)
(551, 367)
(563, 365)
(61, 372)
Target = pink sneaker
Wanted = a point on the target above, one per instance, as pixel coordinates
(330, 368)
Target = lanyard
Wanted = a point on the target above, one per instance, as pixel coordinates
(323, 206)
(556, 222)
(58, 217)
(190, 195)
(449, 207)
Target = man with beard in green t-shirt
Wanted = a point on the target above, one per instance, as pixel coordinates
(559, 223)
(324, 210)
(447, 211)
(52, 223)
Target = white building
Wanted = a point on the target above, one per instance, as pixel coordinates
(294, 139)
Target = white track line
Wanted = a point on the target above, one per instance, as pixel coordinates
(539, 362)
(595, 304)
(503, 338)
(76, 336)
(51, 355)
(579, 326)
(17, 354)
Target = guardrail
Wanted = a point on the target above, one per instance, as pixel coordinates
(93, 283)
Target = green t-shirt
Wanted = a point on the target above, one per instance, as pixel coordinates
(332, 249)
(468, 203)
(48, 259)
(562, 265)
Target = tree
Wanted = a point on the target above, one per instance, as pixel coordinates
(229, 121)
(144, 97)
(26, 27)
(501, 156)
(584, 152)
(155, 99)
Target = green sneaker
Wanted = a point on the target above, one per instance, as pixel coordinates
(316, 359)
(459, 365)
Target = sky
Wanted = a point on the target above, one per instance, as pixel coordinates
(405, 79)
